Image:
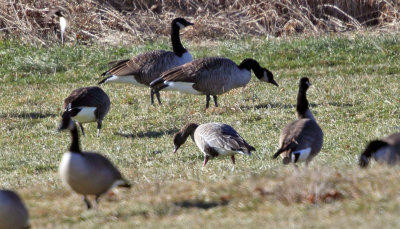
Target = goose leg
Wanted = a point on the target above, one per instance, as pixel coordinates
(207, 101)
(206, 158)
(83, 131)
(158, 97)
(215, 100)
(151, 96)
(96, 202)
(233, 161)
(99, 122)
(87, 202)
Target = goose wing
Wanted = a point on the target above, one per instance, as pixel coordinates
(135, 65)
(189, 72)
(87, 96)
(224, 136)
(299, 134)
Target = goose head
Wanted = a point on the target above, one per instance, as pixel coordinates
(67, 122)
(371, 148)
(180, 23)
(304, 83)
(181, 137)
(266, 76)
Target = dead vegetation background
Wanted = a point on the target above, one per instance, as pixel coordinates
(116, 21)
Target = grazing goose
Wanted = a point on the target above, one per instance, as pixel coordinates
(301, 139)
(87, 104)
(13, 213)
(213, 139)
(87, 173)
(386, 150)
(144, 68)
(211, 76)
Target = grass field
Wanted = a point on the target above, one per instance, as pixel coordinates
(355, 98)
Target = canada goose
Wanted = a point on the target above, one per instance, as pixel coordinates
(386, 150)
(13, 213)
(144, 68)
(213, 139)
(87, 173)
(87, 104)
(301, 139)
(62, 21)
(211, 76)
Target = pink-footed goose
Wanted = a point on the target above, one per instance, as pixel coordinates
(302, 139)
(213, 139)
(144, 68)
(211, 76)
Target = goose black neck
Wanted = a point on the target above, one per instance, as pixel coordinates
(177, 46)
(250, 64)
(374, 146)
(302, 102)
(74, 147)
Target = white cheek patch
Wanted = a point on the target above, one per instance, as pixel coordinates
(181, 26)
(301, 154)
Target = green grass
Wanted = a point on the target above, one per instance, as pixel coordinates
(355, 98)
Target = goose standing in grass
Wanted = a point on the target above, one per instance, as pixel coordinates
(87, 173)
(13, 213)
(386, 150)
(213, 139)
(302, 139)
(62, 21)
(87, 104)
(144, 68)
(211, 76)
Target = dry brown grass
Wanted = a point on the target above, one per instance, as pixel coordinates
(113, 21)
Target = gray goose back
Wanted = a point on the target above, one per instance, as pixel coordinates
(210, 75)
(13, 213)
(222, 139)
(148, 66)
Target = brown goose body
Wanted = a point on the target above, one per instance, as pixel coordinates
(88, 104)
(13, 213)
(214, 139)
(386, 150)
(302, 139)
(144, 68)
(87, 173)
(211, 76)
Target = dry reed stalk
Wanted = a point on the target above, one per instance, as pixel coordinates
(128, 20)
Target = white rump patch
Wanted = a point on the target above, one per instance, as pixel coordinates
(303, 155)
(86, 115)
(182, 87)
(124, 79)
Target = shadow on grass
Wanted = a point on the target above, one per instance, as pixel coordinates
(148, 134)
(200, 204)
(31, 115)
(292, 106)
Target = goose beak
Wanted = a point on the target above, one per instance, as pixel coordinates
(175, 149)
(274, 83)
